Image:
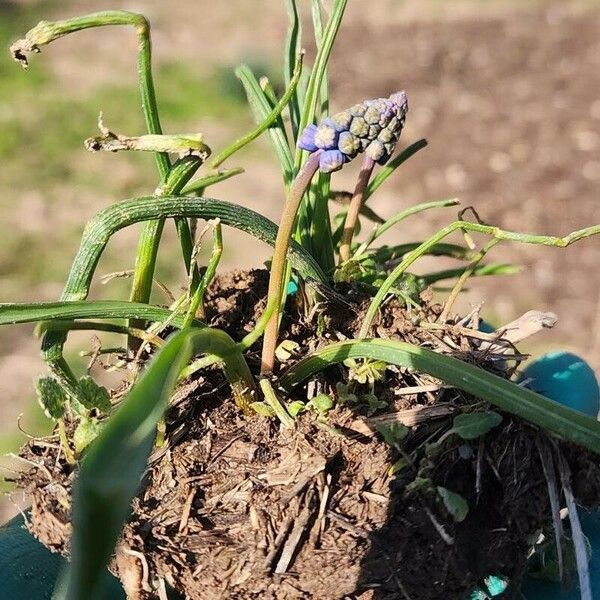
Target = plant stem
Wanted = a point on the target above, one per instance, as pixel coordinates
(248, 340)
(147, 251)
(273, 401)
(356, 202)
(495, 232)
(282, 243)
(458, 286)
(197, 295)
(379, 230)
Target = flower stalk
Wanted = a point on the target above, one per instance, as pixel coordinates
(282, 243)
(354, 208)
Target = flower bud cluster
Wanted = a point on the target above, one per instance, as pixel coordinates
(372, 127)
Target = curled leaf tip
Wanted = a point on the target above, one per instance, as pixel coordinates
(20, 49)
(373, 127)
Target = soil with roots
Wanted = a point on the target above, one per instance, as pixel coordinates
(238, 507)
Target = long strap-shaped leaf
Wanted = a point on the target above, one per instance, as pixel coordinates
(10, 314)
(104, 489)
(506, 395)
(107, 222)
(99, 230)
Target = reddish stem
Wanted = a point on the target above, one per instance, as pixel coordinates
(282, 243)
(354, 207)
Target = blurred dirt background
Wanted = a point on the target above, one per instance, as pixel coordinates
(507, 94)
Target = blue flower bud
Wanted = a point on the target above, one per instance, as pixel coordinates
(373, 126)
(326, 136)
(307, 139)
(331, 160)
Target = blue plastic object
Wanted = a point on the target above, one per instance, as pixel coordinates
(565, 378)
(29, 571)
(485, 327)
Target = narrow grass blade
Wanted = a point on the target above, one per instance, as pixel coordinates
(313, 229)
(467, 227)
(104, 489)
(386, 171)
(113, 218)
(11, 314)
(400, 216)
(261, 108)
(563, 422)
(313, 88)
(483, 270)
(387, 253)
(198, 186)
(268, 121)
(292, 48)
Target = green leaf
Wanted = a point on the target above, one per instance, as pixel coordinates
(479, 271)
(473, 425)
(51, 397)
(296, 407)
(261, 107)
(11, 314)
(286, 350)
(373, 403)
(262, 409)
(93, 395)
(313, 88)
(87, 431)
(563, 422)
(321, 403)
(393, 433)
(270, 120)
(104, 489)
(421, 485)
(386, 171)
(202, 183)
(292, 48)
(455, 504)
(107, 222)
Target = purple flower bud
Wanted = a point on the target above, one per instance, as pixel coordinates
(331, 160)
(307, 139)
(373, 126)
(326, 135)
(401, 100)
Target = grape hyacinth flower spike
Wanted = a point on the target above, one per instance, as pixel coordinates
(372, 128)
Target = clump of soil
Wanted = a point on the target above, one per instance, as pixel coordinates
(238, 507)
